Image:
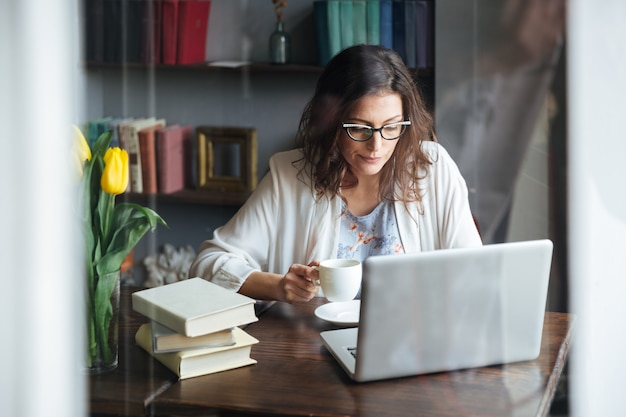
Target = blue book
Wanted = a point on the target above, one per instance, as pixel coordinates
(424, 23)
(398, 32)
(410, 33)
(320, 13)
(386, 24)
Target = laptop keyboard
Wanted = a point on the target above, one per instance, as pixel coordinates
(352, 351)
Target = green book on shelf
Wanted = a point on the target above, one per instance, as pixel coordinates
(346, 23)
(320, 12)
(373, 22)
(334, 27)
(359, 22)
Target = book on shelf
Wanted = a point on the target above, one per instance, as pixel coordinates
(96, 127)
(373, 22)
(334, 27)
(148, 157)
(346, 22)
(193, 21)
(169, 31)
(114, 127)
(386, 23)
(151, 33)
(320, 13)
(172, 158)
(197, 362)
(165, 339)
(129, 139)
(398, 28)
(410, 33)
(359, 22)
(425, 45)
(93, 27)
(194, 306)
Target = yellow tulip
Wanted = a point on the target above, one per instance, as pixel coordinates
(115, 175)
(81, 147)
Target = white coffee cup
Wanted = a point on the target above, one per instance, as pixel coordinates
(340, 279)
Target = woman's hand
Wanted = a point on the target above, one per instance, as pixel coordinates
(298, 284)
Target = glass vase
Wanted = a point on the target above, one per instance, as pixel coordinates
(102, 323)
(280, 45)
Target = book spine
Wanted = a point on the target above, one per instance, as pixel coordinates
(359, 22)
(410, 33)
(193, 19)
(346, 20)
(134, 160)
(386, 24)
(169, 31)
(320, 11)
(148, 160)
(399, 44)
(334, 27)
(170, 160)
(373, 22)
(94, 30)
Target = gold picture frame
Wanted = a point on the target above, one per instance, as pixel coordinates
(227, 158)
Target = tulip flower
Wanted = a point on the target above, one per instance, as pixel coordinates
(81, 152)
(111, 231)
(114, 178)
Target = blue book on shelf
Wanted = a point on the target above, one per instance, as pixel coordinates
(424, 23)
(399, 43)
(320, 13)
(386, 24)
(410, 33)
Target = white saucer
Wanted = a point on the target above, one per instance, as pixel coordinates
(344, 312)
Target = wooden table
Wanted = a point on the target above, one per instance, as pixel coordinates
(296, 376)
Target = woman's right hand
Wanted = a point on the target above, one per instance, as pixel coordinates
(298, 284)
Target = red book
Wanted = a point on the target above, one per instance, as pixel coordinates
(193, 22)
(169, 31)
(147, 149)
(171, 161)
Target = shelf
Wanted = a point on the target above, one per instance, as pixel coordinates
(200, 197)
(205, 67)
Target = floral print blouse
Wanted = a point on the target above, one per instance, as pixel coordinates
(373, 234)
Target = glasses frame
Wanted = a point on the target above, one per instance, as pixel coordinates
(347, 126)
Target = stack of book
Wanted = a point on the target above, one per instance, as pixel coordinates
(194, 327)
(406, 26)
(161, 156)
(146, 31)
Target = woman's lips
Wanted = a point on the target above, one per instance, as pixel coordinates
(370, 159)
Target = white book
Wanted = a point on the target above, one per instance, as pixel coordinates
(195, 307)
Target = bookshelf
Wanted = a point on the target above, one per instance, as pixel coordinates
(190, 196)
(255, 94)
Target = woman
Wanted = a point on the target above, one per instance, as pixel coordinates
(367, 180)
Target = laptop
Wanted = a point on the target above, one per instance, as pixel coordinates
(446, 310)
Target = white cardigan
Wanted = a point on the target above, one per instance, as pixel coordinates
(282, 223)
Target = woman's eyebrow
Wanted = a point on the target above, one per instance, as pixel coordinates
(368, 123)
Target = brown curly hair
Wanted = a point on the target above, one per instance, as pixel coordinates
(356, 72)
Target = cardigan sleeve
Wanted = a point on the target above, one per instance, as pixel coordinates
(241, 245)
(447, 198)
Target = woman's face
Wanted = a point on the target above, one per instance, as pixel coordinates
(368, 158)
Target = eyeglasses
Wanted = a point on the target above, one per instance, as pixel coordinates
(363, 133)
